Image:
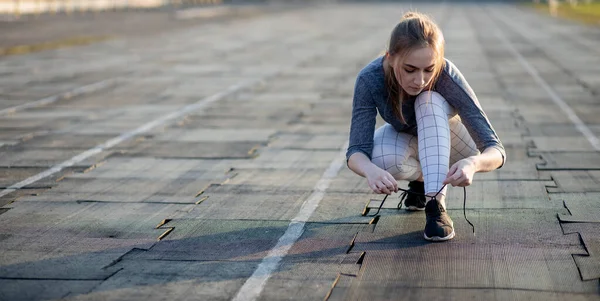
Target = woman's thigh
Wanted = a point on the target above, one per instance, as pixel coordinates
(462, 144)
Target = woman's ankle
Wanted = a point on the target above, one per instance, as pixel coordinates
(440, 198)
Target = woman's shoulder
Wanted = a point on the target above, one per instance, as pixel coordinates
(451, 69)
(450, 76)
(452, 83)
(373, 70)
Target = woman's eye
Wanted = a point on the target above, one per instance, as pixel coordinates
(428, 70)
(409, 71)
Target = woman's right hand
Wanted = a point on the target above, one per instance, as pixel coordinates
(381, 181)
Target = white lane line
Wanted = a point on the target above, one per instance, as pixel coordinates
(256, 283)
(579, 124)
(125, 136)
(66, 95)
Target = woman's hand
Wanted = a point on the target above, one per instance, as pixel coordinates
(462, 172)
(381, 181)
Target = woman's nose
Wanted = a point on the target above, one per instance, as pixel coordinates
(420, 79)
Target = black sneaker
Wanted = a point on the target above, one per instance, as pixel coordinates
(412, 201)
(439, 226)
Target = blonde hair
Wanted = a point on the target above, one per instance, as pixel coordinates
(414, 31)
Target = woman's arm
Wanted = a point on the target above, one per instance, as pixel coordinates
(462, 172)
(360, 147)
(456, 90)
(380, 181)
(490, 159)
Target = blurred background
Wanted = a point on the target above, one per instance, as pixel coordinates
(585, 10)
(35, 25)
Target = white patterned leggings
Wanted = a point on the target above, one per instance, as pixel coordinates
(442, 140)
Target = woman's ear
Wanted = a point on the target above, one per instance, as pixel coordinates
(389, 60)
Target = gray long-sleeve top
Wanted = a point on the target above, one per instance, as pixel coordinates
(370, 97)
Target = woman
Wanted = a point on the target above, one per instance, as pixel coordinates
(436, 133)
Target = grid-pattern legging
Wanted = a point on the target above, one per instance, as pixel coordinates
(442, 140)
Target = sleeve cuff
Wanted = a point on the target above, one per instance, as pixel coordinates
(503, 153)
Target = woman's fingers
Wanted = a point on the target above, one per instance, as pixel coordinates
(374, 188)
(465, 181)
(384, 183)
(461, 173)
(461, 181)
(452, 176)
(391, 185)
(457, 178)
(378, 188)
(382, 187)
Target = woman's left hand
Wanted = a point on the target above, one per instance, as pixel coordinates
(461, 173)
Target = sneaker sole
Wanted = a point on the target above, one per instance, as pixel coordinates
(414, 208)
(437, 238)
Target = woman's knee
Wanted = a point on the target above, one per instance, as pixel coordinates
(429, 97)
(406, 171)
(395, 152)
(435, 101)
(387, 162)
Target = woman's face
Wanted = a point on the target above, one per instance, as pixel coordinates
(416, 71)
